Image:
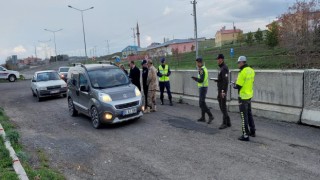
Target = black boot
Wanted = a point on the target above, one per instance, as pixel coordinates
(203, 117)
(252, 134)
(243, 138)
(211, 118)
(228, 121)
(171, 102)
(162, 102)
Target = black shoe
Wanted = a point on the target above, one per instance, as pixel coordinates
(242, 138)
(223, 126)
(228, 122)
(211, 118)
(201, 120)
(162, 103)
(171, 104)
(252, 134)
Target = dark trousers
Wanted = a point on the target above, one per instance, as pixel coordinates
(162, 86)
(202, 102)
(145, 92)
(246, 117)
(223, 108)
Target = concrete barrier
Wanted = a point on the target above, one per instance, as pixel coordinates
(279, 94)
(311, 110)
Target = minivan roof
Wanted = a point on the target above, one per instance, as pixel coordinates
(97, 66)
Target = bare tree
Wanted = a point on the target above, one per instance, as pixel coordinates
(298, 31)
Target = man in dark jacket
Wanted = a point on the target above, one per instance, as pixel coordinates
(134, 75)
(223, 82)
(144, 81)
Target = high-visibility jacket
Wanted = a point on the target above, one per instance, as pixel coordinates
(246, 80)
(164, 73)
(203, 72)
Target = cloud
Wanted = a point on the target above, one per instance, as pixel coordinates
(167, 11)
(19, 49)
(147, 40)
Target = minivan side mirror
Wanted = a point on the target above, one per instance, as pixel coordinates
(84, 88)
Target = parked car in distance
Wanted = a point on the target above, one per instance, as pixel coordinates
(9, 75)
(63, 72)
(104, 93)
(48, 83)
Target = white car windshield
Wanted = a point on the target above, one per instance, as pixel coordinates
(107, 78)
(64, 69)
(47, 76)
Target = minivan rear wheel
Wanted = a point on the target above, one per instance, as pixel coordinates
(72, 109)
(95, 118)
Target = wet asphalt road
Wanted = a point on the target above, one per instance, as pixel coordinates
(168, 144)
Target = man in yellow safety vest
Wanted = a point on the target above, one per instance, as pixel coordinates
(203, 83)
(164, 80)
(244, 84)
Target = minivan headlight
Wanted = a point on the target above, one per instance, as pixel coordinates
(138, 93)
(64, 85)
(104, 97)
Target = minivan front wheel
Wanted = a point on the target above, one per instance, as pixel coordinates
(95, 117)
(72, 109)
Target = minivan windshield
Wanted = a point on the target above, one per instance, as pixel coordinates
(107, 78)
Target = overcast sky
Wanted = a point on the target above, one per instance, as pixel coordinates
(23, 22)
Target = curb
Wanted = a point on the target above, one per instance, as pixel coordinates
(16, 163)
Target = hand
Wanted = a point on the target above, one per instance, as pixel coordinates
(223, 94)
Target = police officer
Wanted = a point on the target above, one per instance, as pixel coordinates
(244, 85)
(134, 75)
(222, 83)
(203, 84)
(164, 80)
(144, 81)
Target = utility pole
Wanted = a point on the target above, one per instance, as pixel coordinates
(108, 47)
(45, 47)
(134, 36)
(194, 3)
(35, 51)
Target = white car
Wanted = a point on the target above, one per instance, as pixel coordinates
(48, 83)
(8, 74)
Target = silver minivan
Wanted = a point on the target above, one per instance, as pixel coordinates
(104, 93)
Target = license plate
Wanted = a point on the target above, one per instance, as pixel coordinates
(129, 111)
(55, 91)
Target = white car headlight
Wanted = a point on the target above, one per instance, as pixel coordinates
(138, 93)
(104, 97)
(64, 85)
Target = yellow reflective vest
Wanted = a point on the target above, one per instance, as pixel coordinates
(246, 80)
(205, 82)
(164, 73)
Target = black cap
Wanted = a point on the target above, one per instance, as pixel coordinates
(199, 59)
(220, 56)
(144, 62)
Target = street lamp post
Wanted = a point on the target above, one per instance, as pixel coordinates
(84, 34)
(54, 39)
(46, 47)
